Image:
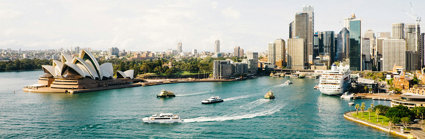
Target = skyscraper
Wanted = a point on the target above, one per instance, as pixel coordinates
(342, 48)
(271, 57)
(237, 51)
(291, 30)
(411, 37)
(310, 31)
(394, 53)
(114, 51)
(301, 31)
(328, 46)
(179, 47)
(421, 53)
(372, 47)
(280, 52)
(366, 55)
(252, 62)
(398, 31)
(217, 46)
(296, 53)
(355, 26)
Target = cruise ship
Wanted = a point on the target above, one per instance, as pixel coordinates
(335, 81)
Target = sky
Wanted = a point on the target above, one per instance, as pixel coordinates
(158, 25)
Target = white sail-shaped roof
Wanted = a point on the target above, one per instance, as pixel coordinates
(58, 67)
(107, 70)
(129, 74)
(87, 67)
(121, 74)
(75, 68)
(65, 58)
(86, 55)
(48, 69)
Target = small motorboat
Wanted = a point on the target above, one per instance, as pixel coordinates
(347, 96)
(166, 118)
(350, 103)
(269, 95)
(165, 94)
(288, 82)
(211, 100)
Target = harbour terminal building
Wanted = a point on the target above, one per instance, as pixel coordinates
(80, 74)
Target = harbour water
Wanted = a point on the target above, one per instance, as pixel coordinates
(298, 111)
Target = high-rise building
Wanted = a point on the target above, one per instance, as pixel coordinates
(316, 43)
(222, 69)
(366, 55)
(271, 57)
(310, 31)
(296, 53)
(217, 46)
(422, 51)
(393, 53)
(342, 48)
(291, 29)
(114, 51)
(372, 47)
(398, 31)
(194, 51)
(411, 37)
(237, 51)
(179, 47)
(301, 31)
(280, 52)
(252, 62)
(412, 58)
(328, 47)
(355, 26)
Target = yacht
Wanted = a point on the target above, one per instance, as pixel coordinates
(162, 118)
(165, 94)
(288, 82)
(212, 100)
(335, 81)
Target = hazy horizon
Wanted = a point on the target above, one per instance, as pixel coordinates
(160, 25)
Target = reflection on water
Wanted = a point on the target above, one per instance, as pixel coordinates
(298, 111)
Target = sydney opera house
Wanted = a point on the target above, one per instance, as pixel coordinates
(80, 74)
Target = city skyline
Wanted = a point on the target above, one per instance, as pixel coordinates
(158, 26)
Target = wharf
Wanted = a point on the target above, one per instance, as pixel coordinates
(377, 96)
(76, 91)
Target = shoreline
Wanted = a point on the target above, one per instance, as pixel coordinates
(152, 82)
(385, 129)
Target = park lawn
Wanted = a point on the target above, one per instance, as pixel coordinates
(184, 73)
(382, 120)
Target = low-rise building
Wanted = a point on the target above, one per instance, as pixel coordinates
(401, 82)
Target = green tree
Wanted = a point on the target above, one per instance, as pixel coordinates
(383, 109)
(377, 112)
(363, 106)
(399, 112)
(405, 121)
(369, 111)
(357, 108)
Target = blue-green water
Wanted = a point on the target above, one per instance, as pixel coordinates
(297, 112)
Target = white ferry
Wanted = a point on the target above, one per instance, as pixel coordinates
(212, 100)
(335, 81)
(162, 118)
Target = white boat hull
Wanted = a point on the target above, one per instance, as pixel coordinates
(331, 91)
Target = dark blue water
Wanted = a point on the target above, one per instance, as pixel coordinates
(297, 112)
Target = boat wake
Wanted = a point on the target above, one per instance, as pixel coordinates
(238, 97)
(193, 94)
(281, 85)
(254, 104)
(235, 117)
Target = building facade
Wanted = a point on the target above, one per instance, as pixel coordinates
(398, 31)
(393, 53)
(296, 53)
(217, 46)
(280, 52)
(355, 44)
(272, 54)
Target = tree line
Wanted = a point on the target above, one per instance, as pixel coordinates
(23, 64)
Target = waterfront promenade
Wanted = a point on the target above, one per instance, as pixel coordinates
(414, 133)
